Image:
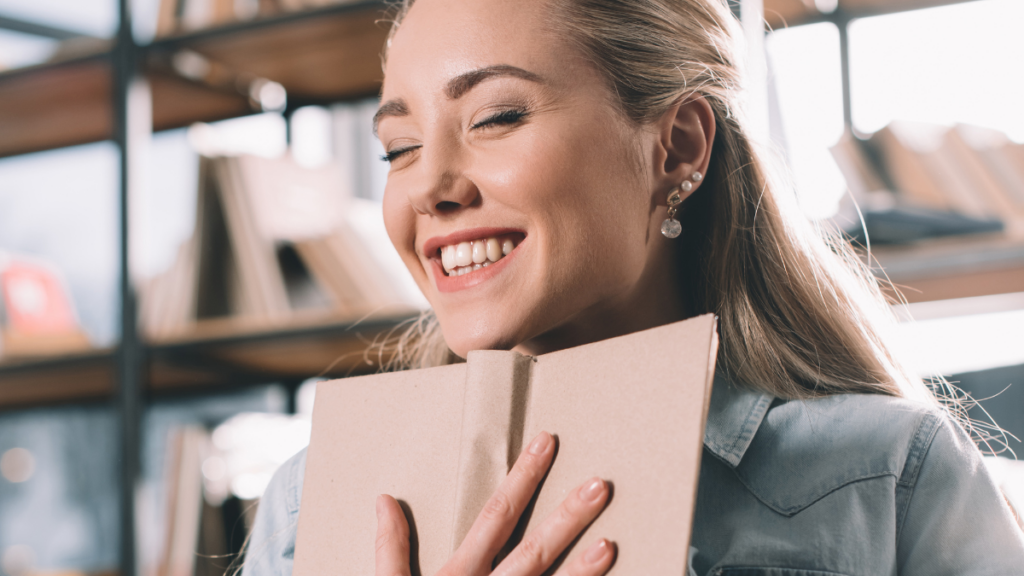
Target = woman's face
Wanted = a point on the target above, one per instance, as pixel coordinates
(517, 196)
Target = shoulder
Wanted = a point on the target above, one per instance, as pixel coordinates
(288, 481)
(835, 441)
(271, 545)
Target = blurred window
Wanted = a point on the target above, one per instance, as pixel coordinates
(17, 49)
(959, 63)
(89, 17)
(806, 74)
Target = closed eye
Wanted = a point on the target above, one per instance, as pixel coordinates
(503, 118)
(393, 155)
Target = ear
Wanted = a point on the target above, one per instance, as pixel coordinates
(686, 132)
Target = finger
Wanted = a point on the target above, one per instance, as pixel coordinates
(594, 562)
(392, 538)
(497, 520)
(541, 546)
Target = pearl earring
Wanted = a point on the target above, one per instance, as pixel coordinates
(671, 228)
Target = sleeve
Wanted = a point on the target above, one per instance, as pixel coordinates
(953, 519)
(271, 545)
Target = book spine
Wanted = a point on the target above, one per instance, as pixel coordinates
(493, 419)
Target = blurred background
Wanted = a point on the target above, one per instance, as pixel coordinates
(139, 428)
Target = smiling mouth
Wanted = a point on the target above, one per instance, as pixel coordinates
(465, 257)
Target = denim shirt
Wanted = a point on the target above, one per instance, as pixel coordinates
(851, 485)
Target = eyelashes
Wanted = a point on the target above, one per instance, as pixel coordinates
(393, 155)
(508, 117)
(505, 117)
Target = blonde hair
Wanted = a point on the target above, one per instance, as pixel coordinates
(800, 314)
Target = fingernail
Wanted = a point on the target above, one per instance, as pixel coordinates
(540, 443)
(596, 552)
(592, 491)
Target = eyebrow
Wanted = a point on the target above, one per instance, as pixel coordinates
(457, 87)
(395, 107)
(467, 81)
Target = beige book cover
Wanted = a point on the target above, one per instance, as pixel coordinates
(167, 18)
(630, 410)
(978, 176)
(861, 177)
(903, 153)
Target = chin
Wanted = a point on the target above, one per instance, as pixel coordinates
(464, 335)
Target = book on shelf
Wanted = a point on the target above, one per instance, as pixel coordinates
(201, 529)
(630, 410)
(924, 171)
(187, 447)
(273, 239)
(987, 165)
(37, 316)
(913, 181)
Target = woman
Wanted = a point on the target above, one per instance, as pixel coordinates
(564, 171)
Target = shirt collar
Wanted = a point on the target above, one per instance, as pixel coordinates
(734, 416)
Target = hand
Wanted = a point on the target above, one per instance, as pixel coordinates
(498, 519)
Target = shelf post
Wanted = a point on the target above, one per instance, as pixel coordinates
(842, 22)
(128, 397)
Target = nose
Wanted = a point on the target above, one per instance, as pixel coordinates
(446, 189)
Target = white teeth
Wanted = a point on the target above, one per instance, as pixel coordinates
(494, 249)
(466, 257)
(479, 252)
(448, 257)
(464, 254)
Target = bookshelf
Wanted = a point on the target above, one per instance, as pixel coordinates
(217, 356)
(954, 267)
(319, 56)
(69, 102)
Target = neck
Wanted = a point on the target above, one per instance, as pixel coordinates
(656, 299)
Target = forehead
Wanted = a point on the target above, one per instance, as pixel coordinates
(440, 39)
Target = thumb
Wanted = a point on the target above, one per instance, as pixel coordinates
(392, 538)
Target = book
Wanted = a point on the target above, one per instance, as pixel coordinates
(271, 239)
(185, 501)
(930, 169)
(903, 150)
(887, 218)
(991, 172)
(861, 177)
(630, 410)
(168, 17)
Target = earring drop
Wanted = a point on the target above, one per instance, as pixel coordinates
(671, 228)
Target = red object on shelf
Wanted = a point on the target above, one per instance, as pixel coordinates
(37, 317)
(35, 300)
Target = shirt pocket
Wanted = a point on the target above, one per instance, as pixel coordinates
(754, 571)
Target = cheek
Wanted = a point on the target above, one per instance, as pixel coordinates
(400, 222)
(596, 212)
(589, 214)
